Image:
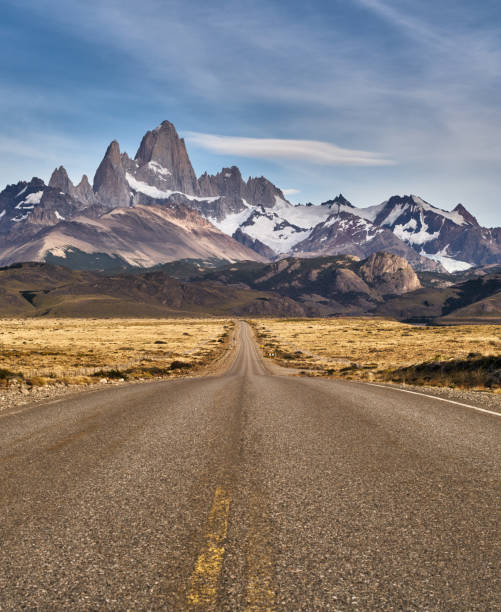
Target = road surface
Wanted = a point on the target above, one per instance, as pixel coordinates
(250, 491)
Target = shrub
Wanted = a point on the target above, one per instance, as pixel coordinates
(6, 375)
(472, 372)
(180, 365)
(38, 381)
(114, 374)
(151, 371)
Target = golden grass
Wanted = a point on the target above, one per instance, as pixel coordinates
(365, 348)
(72, 350)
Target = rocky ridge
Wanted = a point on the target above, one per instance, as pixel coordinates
(251, 219)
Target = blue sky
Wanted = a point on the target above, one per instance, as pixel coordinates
(379, 97)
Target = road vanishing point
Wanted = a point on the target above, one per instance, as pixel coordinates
(250, 490)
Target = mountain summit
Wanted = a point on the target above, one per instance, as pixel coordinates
(164, 154)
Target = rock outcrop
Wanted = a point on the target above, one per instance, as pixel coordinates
(391, 274)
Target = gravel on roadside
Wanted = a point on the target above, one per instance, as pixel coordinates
(480, 399)
(22, 395)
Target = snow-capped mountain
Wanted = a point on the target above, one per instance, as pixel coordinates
(453, 238)
(153, 209)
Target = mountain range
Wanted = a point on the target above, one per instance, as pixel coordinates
(383, 284)
(153, 209)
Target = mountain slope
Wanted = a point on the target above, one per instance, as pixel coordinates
(45, 290)
(140, 235)
(326, 285)
(472, 301)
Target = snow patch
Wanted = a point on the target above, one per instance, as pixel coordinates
(394, 214)
(22, 191)
(34, 198)
(305, 217)
(409, 233)
(158, 194)
(355, 223)
(158, 169)
(59, 216)
(369, 212)
(449, 263)
(330, 221)
(233, 221)
(266, 228)
(29, 201)
(453, 216)
(2, 213)
(58, 252)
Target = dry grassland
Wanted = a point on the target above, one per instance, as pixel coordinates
(374, 349)
(77, 351)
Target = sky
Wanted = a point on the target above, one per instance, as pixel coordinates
(369, 98)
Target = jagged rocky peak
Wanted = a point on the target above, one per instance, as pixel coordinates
(60, 180)
(228, 183)
(110, 184)
(18, 201)
(262, 192)
(165, 153)
(390, 273)
(417, 216)
(467, 216)
(206, 185)
(34, 183)
(84, 191)
(340, 199)
(84, 183)
(113, 152)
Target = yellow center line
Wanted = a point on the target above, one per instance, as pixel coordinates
(202, 593)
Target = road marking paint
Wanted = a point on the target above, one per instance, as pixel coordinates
(442, 399)
(202, 593)
(260, 594)
(42, 404)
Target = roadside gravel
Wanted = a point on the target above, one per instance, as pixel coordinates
(15, 396)
(481, 399)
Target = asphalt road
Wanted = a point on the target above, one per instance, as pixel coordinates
(250, 491)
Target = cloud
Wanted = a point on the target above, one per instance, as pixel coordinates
(290, 191)
(312, 151)
(400, 20)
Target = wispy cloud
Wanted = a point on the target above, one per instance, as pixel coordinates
(312, 151)
(404, 21)
(290, 192)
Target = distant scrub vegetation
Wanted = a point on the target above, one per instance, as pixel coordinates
(472, 372)
(466, 356)
(36, 352)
